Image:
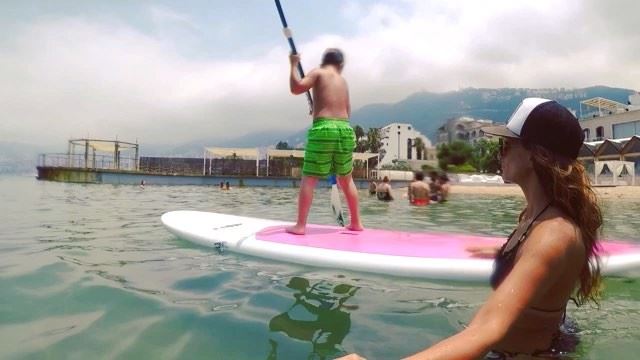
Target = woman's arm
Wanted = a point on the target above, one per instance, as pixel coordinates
(542, 260)
(485, 252)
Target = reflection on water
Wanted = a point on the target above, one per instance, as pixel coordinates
(317, 316)
(89, 269)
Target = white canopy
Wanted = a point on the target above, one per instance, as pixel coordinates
(617, 169)
(213, 152)
(364, 156)
(300, 154)
(285, 153)
(108, 146)
(243, 153)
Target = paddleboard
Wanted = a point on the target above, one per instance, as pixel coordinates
(408, 254)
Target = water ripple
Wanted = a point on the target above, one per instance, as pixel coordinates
(83, 264)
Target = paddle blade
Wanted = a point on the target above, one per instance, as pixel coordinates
(336, 207)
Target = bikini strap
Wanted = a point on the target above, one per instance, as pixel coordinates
(503, 249)
(526, 231)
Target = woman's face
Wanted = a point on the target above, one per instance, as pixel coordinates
(516, 160)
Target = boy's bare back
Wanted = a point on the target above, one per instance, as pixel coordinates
(330, 94)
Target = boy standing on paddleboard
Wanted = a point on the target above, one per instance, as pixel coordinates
(331, 139)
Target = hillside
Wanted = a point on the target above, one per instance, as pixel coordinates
(425, 110)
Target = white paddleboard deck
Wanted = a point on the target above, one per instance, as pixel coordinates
(420, 255)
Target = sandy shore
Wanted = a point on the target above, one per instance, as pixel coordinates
(618, 192)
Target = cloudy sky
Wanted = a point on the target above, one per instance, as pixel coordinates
(170, 72)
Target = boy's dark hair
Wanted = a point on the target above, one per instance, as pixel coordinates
(419, 175)
(444, 178)
(333, 56)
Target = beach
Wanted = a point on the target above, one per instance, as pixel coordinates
(605, 193)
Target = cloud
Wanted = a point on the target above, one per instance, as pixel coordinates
(443, 45)
(72, 77)
(75, 78)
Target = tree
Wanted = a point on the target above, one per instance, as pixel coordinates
(374, 141)
(456, 153)
(485, 156)
(399, 165)
(359, 132)
(283, 145)
(361, 145)
(420, 147)
(443, 156)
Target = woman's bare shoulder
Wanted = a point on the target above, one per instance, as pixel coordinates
(555, 234)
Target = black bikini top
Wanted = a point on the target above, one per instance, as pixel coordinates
(506, 258)
(383, 195)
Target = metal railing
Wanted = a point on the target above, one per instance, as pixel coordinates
(278, 167)
(91, 162)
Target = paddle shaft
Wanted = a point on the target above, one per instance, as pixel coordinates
(335, 196)
(294, 51)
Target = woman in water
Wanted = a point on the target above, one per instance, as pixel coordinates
(550, 257)
(383, 191)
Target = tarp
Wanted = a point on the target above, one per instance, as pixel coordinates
(300, 154)
(610, 148)
(219, 152)
(617, 168)
(364, 156)
(602, 103)
(285, 153)
(108, 146)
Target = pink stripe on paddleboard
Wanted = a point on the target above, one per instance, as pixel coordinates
(428, 245)
(398, 243)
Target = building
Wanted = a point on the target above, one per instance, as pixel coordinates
(617, 161)
(399, 144)
(462, 129)
(607, 119)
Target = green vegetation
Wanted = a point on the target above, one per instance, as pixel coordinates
(456, 153)
(428, 168)
(421, 148)
(485, 156)
(464, 168)
(462, 157)
(399, 165)
(283, 145)
(365, 142)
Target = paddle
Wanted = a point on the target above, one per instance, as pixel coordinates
(336, 208)
(289, 35)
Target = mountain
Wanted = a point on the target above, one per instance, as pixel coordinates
(427, 111)
(196, 147)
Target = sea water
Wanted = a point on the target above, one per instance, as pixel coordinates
(88, 271)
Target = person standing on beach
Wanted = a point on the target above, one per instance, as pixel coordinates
(331, 139)
(551, 256)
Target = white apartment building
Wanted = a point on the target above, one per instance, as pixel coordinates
(463, 128)
(398, 144)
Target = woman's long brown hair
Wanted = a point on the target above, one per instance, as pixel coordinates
(567, 184)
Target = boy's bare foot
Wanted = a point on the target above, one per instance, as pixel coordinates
(296, 229)
(354, 227)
